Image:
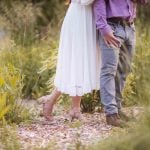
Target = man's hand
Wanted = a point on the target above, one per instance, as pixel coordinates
(111, 40)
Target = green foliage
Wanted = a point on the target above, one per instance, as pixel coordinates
(129, 91)
(51, 11)
(38, 81)
(137, 85)
(11, 85)
(49, 65)
(34, 83)
(143, 13)
(29, 22)
(31, 62)
(141, 70)
(20, 20)
(90, 102)
(3, 107)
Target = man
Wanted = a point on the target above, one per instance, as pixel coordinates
(115, 21)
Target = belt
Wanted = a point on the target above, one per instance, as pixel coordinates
(120, 21)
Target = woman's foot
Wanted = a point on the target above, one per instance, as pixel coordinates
(75, 113)
(48, 103)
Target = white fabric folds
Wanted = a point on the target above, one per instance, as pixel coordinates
(86, 2)
(78, 63)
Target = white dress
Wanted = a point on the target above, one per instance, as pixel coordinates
(78, 66)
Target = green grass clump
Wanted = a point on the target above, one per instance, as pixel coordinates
(11, 109)
(137, 87)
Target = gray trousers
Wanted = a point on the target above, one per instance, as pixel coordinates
(116, 65)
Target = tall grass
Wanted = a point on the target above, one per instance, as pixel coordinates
(29, 45)
(20, 21)
(11, 86)
(138, 82)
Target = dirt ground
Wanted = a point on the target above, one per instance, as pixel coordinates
(62, 134)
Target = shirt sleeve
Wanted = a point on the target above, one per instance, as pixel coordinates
(99, 7)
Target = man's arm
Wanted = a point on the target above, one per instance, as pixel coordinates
(101, 16)
(102, 25)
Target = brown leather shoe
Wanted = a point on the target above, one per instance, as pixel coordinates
(114, 120)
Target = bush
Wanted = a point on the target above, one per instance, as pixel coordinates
(137, 85)
(21, 21)
(90, 102)
(11, 86)
(141, 70)
(30, 22)
(129, 91)
(31, 62)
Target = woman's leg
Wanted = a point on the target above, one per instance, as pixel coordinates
(48, 103)
(76, 101)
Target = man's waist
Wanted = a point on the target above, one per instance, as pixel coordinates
(121, 21)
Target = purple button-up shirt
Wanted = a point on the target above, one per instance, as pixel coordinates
(112, 8)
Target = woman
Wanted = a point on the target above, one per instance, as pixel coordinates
(78, 64)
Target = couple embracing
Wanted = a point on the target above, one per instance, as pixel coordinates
(88, 62)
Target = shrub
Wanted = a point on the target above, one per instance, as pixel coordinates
(21, 21)
(137, 85)
(11, 85)
(90, 102)
(31, 62)
(129, 91)
(141, 70)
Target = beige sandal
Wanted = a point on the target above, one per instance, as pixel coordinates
(75, 114)
(47, 107)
